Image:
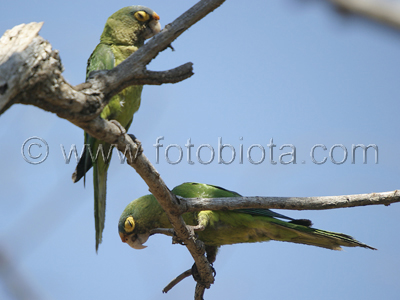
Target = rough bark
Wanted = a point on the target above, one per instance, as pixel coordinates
(31, 73)
(293, 203)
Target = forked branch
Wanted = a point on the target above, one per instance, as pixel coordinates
(31, 73)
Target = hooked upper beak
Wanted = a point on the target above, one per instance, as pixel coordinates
(123, 237)
(154, 27)
(156, 16)
(136, 241)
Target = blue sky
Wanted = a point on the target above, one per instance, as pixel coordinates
(292, 71)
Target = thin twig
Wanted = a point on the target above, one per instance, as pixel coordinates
(176, 280)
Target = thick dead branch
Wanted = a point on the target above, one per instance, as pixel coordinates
(133, 68)
(30, 73)
(293, 203)
(110, 133)
(21, 50)
(381, 10)
(28, 57)
(199, 292)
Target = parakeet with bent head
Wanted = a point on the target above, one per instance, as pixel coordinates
(217, 228)
(125, 31)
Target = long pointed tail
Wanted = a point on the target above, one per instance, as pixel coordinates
(84, 165)
(317, 237)
(100, 168)
(100, 190)
(85, 162)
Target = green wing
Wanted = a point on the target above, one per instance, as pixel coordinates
(263, 212)
(256, 225)
(200, 190)
(101, 58)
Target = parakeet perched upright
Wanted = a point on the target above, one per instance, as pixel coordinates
(219, 228)
(125, 31)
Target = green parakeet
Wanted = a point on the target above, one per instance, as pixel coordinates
(219, 228)
(125, 31)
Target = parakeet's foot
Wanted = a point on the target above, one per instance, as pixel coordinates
(82, 86)
(121, 128)
(176, 240)
(192, 233)
(196, 275)
(138, 143)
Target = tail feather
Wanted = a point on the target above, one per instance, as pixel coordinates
(84, 165)
(85, 162)
(321, 238)
(300, 231)
(100, 190)
(100, 168)
(101, 153)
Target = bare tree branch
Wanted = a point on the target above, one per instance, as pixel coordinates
(199, 292)
(381, 10)
(133, 68)
(176, 280)
(30, 73)
(41, 83)
(293, 203)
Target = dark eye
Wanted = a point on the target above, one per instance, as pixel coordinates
(141, 16)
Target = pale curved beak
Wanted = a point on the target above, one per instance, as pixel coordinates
(153, 28)
(136, 241)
